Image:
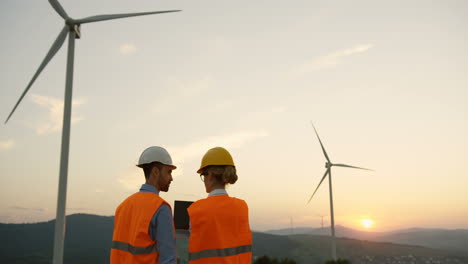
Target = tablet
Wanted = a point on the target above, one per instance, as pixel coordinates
(181, 217)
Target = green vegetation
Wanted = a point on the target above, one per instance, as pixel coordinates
(268, 260)
(338, 261)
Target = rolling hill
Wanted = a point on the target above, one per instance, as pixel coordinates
(88, 239)
(456, 239)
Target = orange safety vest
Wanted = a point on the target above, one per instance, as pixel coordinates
(131, 242)
(220, 231)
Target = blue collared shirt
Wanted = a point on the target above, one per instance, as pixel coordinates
(217, 192)
(161, 230)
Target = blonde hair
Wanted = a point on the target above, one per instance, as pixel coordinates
(223, 174)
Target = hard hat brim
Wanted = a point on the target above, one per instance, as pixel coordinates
(143, 165)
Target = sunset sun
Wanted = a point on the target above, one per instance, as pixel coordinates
(367, 223)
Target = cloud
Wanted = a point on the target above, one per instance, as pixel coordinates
(194, 87)
(127, 49)
(229, 141)
(333, 59)
(131, 180)
(7, 144)
(55, 116)
(27, 209)
(78, 209)
(180, 154)
(183, 92)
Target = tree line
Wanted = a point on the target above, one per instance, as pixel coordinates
(270, 260)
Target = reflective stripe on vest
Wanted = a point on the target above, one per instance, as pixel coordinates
(134, 250)
(220, 252)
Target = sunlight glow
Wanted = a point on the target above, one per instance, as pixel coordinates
(367, 223)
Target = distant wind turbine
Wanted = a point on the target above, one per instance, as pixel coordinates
(329, 165)
(322, 216)
(72, 28)
(292, 226)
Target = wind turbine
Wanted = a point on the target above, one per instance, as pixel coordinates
(72, 28)
(322, 216)
(292, 226)
(329, 165)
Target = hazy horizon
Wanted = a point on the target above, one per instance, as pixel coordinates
(285, 228)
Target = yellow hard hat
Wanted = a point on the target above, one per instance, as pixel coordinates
(216, 156)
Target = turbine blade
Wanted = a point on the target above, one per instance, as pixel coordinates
(323, 178)
(117, 16)
(58, 7)
(349, 166)
(53, 50)
(324, 152)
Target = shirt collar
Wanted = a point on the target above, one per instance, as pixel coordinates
(217, 192)
(149, 188)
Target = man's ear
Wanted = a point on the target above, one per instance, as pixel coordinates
(155, 172)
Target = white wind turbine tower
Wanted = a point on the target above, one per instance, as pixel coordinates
(329, 165)
(72, 29)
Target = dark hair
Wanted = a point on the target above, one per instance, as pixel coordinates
(148, 167)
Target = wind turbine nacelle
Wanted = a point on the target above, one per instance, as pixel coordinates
(77, 29)
(328, 165)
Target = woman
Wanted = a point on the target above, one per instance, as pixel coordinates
(220, 232)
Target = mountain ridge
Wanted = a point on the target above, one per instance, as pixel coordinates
(88, 240)
(439, 238)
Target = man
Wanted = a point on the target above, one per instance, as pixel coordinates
(143, 225)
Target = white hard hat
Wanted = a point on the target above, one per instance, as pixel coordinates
(153, 154)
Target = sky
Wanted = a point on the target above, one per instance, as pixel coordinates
(384, 82)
